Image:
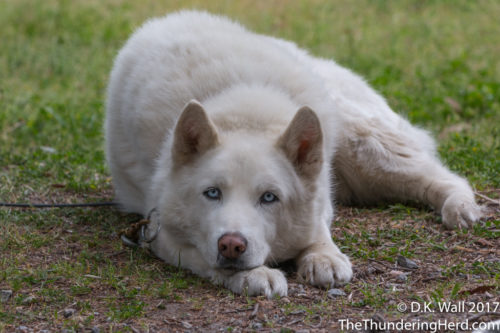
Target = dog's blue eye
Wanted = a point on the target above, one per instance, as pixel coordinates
(268, 198)
(213, 193)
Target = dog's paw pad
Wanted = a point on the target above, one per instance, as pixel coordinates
(260, 281)
(460, 212)
(325, 270)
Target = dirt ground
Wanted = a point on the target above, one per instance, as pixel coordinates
(378, 289)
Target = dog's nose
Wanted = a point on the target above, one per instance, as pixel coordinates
(232, 245)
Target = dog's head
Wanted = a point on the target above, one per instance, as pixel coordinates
(241, 199)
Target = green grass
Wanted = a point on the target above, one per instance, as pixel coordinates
(56, 57)
(436, 62)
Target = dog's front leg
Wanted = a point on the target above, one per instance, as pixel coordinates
(259, 281)
(322, 264)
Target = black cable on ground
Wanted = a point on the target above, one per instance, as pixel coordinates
(31, 205)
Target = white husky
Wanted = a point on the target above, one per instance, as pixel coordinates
(240, 142)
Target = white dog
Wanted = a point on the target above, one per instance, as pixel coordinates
(240, 142)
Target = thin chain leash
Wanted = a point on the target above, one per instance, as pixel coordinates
(133, 236)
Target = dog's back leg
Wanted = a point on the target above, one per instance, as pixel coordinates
(376, 162)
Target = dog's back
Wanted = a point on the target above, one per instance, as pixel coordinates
(184, 56)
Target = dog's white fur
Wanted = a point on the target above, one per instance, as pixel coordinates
(196, 101)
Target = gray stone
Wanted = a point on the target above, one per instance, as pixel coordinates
(5, 295)
(29, 300)
(335, 293)
(406, 263)
(186, 325)
(68, 312)
(257, 326)
(402, 278)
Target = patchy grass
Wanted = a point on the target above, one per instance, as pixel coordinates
(436, 62)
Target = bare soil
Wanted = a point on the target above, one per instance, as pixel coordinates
(195, 305)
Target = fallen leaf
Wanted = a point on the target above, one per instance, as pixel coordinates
(477, 290)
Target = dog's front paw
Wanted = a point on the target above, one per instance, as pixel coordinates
(258, 281)
(325, 270)
(460, 211)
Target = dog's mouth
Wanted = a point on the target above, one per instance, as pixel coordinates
(231, 265)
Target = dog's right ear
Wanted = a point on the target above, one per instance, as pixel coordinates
(194, 134)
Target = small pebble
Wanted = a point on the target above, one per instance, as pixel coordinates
(395, 273)
(236, 322)
(29, 300)
(298, 291)
(5, 295)
(336, 292)
(94, 329)
(402, 278)
(68, 312)
(256, 326)
(186, 325)
(407, 263)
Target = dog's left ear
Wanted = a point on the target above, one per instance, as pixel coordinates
(194, 134)
(302, 143)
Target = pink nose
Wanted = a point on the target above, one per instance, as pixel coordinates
(232, 245)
